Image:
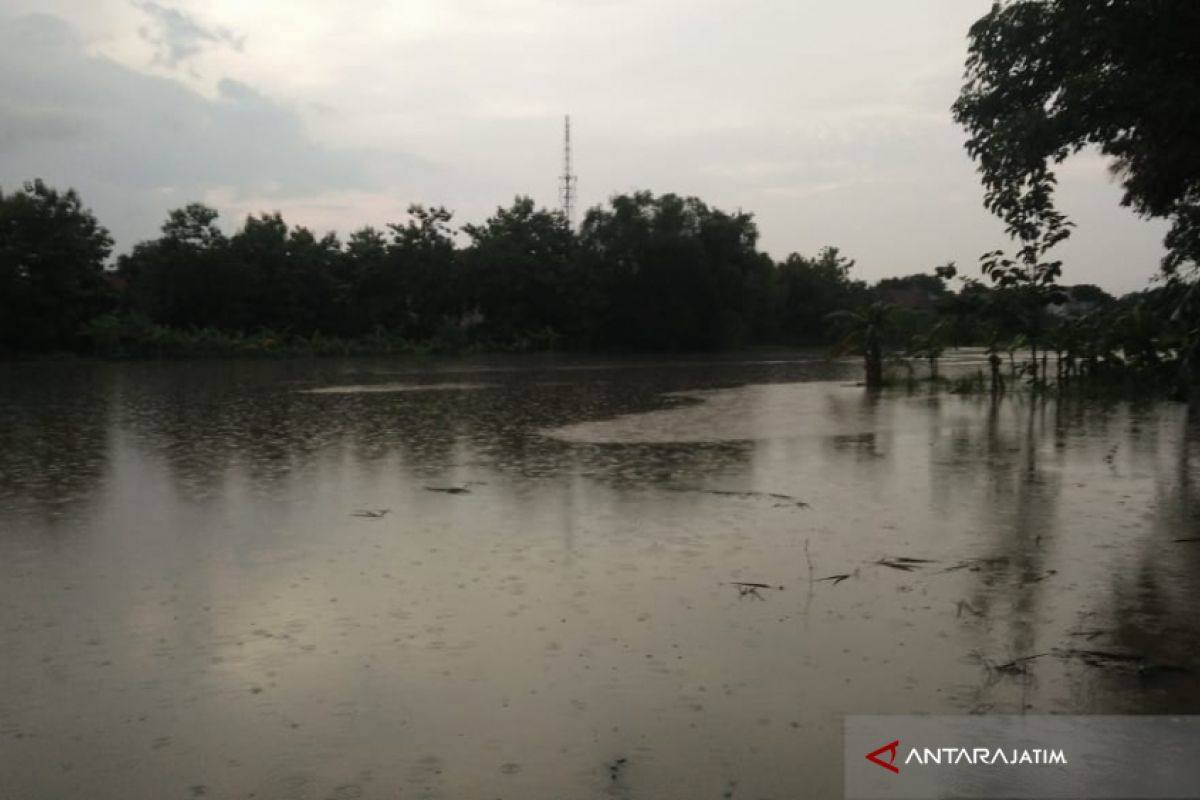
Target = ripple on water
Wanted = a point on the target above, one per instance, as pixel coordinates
(392, 388)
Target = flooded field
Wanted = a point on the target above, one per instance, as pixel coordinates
(561, 578)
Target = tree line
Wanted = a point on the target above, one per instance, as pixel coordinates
(642, 272)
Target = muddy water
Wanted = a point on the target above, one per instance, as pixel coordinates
(387, 579)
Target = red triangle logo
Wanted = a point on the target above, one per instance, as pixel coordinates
(890, 749)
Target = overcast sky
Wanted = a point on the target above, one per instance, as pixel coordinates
(830, 121)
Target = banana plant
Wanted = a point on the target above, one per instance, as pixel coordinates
(865, 331)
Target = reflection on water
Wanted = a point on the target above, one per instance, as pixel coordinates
(542, 602)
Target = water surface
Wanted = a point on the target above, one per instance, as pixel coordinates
(516, 578)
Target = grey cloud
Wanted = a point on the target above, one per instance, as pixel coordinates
(178, 37)
(136, 145)
(20, 124)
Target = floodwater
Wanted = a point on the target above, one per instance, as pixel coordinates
(518, 578)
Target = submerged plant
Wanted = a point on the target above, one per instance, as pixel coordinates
(864, 330)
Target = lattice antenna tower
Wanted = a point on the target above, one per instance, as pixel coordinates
(568, 183)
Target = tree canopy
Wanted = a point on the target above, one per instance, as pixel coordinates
(643, 272)
(673, 272)
(52, 254)
(1047, 78)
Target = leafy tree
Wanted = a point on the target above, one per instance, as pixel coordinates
(1088, 293)
(922, 289)
(310, 282)
(1047, 78)
(916, 298)
(52, 278)
(674, 273)
(357, 275)
(186, 278)
(288, 273)
(194, 225)
(761, 300)
(810, 289)
(962, 314)
(522, 275)
(420, 280)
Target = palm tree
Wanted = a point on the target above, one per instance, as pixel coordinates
(864, 330)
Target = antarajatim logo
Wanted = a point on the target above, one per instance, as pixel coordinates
(986, 756)
(890, 749)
